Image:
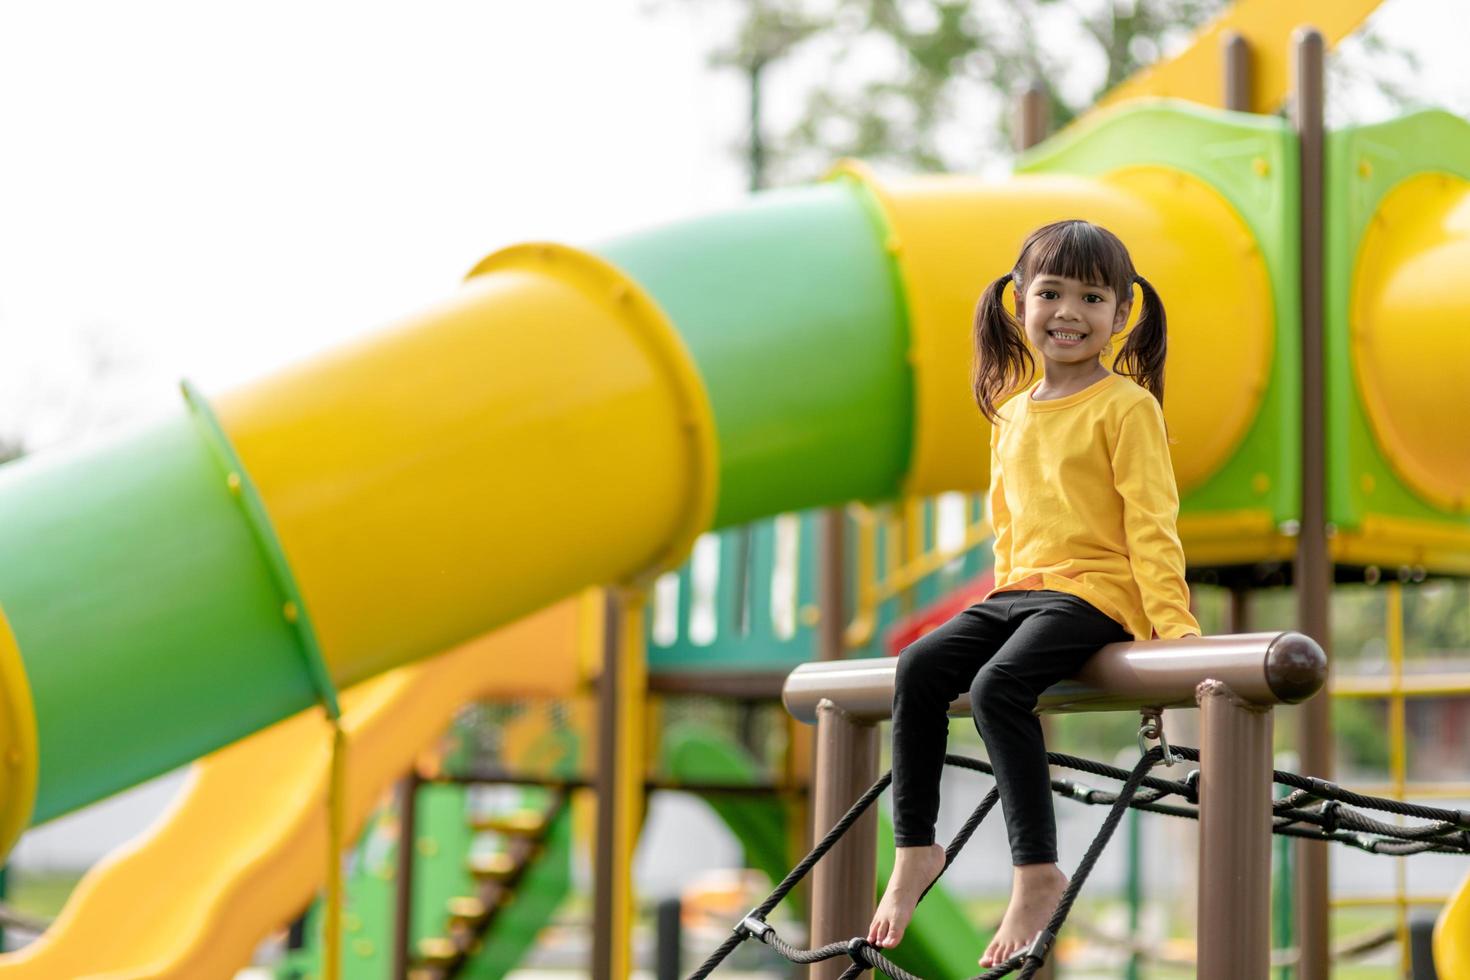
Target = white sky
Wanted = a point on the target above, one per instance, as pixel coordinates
(211, 191)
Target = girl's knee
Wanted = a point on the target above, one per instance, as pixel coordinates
(914, 663)
(995, 690)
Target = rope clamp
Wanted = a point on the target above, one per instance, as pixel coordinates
(1039, 947)
(1153, 728)
(855, 947)
(758, 928)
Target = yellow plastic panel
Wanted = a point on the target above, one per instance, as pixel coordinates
(19, 753)
(1452, 935)
(542, 431)
(1410, 343)
(244, 849)
(1234, 538)
(953, 235)
(1198, 72)
(1384, 540)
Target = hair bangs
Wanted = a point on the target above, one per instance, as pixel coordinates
(1078, 250)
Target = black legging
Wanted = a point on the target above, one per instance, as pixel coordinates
(1007, 650)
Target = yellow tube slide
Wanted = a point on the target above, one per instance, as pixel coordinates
(245, 848)
(440, 475)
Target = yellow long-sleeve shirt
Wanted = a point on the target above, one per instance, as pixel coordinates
(1083, 500)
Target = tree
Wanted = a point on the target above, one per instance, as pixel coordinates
(926, 85)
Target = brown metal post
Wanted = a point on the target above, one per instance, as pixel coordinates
(1313, 569)
(832, 585)
(1237, 54)
(604, 871)
(831, 645)
(1033, 116)
(1234, 836)
(408, 791)
(844, 882)
(1238, 615)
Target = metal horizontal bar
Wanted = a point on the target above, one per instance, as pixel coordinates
(1414, 791)
(1410, 686)
(1376, 901)
(1263, 668)
(507, 778)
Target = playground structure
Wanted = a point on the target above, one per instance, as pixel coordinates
(1234, 679)
(573, 419)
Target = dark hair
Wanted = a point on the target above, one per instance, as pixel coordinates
(1073, 249)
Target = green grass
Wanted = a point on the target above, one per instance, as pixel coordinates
(1345, 924)
(40, 893)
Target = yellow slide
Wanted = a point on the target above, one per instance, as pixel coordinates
(245, 847)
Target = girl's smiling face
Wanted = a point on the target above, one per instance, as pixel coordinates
(1069, 321)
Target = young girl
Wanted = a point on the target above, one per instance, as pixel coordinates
(1083, 504)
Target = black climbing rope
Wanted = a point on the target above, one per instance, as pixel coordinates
(1315, 809)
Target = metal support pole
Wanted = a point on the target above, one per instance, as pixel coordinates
(1238, 615)
(845, 881)
(1313, 568)
(669, 939)
(1033, 116)
(408, 791)
(621, 770)
(1134, 969)
(1234, 836)
(832, 585)
(832, 603)
(1283, 920)
(1237, 53)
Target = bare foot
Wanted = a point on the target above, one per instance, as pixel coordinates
(1035, 891)
(914, 868)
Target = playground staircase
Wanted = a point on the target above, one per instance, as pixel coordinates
(516, 840)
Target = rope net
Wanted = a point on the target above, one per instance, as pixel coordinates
(1314, 809)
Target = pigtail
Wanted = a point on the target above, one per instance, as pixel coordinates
(1002, 360)
(1142, 357)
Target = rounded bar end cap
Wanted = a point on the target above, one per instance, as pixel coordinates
(1296, 667)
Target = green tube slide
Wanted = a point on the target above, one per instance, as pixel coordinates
(147, 615)
(794, 316)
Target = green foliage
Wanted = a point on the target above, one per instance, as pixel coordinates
(1360, 728)
(927, 85)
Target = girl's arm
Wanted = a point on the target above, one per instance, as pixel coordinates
(1144, 477)
(1000, 515)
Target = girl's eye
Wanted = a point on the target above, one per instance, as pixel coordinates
(1048, 294)
(1094, 298)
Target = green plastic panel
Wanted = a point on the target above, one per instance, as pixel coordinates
(1220, 148)
(149, 621)
(749, 641)
(1431, 141)
(792, 311)
(940, 942)
(694, 753)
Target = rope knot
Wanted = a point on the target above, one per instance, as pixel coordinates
(1328, 813)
